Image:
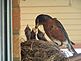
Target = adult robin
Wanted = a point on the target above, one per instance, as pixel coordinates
(54, 30)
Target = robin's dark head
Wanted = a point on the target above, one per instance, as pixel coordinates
(41, 19)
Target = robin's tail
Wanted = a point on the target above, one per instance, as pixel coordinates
(72, 43)
(70, 47)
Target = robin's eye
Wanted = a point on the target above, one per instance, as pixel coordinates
(51, 26)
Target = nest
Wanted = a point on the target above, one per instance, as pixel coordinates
(38, 50)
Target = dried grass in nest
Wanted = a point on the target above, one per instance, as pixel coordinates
(38, 50)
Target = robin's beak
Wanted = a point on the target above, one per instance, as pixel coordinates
(36, 26)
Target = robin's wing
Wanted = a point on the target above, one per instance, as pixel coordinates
(58, 24)
(56, 33)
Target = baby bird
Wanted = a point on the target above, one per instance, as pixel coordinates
(27, 32)
(40, 35)
(33, 34)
